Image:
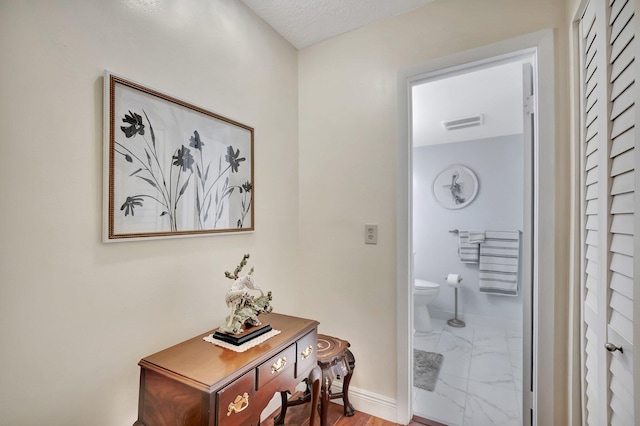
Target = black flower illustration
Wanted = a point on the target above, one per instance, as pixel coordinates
(135, 124)
(129, 205)
(232, 158)
(195, 177)
(183, 158)
(195, 141)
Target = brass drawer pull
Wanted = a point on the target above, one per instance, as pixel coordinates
(307, 352)
(279, 365)
(240, 404)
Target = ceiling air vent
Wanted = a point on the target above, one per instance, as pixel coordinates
(462, 123)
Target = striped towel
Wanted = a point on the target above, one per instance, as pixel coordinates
(468, 252)
(499, 262)
(476, 237)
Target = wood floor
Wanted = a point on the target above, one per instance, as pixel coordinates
(298, 416)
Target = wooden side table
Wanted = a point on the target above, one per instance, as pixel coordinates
(335, 361)
(196, 383)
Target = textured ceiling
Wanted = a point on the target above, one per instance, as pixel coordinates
(494, 92)
(305, 22)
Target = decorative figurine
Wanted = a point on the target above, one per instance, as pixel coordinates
(244, 307)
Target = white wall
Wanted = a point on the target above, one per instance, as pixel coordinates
(498, 165)
(348, 166)
(77, 315)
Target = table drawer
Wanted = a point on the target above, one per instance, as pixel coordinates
(234, 400)
(271, 369)
(306, 353)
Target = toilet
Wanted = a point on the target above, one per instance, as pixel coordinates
(424, 292)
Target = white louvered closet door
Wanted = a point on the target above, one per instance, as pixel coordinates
(611, 394)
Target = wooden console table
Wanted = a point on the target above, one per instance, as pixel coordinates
(196, 383)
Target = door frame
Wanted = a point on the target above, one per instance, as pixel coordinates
(539, 335)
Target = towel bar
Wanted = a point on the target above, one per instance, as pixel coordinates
(456, 231)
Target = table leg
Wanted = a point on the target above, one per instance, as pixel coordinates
(325, 397)
(315, 379)
(348, 408)
(279, 419)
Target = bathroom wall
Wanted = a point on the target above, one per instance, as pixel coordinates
(498, 164)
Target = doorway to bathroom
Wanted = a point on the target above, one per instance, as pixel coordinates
(474, 171)
(468, 200)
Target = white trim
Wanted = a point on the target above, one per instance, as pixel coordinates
(542, 43)
(364, 401)
(404, 268)
(577, 410)
(544, 269)
(368, 402)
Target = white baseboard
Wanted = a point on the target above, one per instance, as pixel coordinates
(368, 402)
(362, 400)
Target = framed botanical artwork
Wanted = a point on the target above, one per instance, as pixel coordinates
(172, 169)
(455, 187)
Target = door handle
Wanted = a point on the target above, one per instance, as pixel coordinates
(612, 348)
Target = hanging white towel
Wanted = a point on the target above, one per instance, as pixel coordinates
(476, 236)
(499, 263)
(467, 251)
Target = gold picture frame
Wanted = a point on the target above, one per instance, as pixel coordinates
(172, 169)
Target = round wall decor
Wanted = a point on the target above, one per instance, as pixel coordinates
(455, 187)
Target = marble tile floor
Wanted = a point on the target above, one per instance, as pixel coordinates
(480, 382)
